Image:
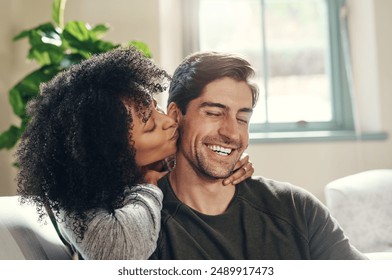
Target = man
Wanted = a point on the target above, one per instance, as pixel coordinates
(212, 99)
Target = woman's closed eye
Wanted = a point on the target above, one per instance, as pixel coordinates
(150, 125)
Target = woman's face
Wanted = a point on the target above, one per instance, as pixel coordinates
(154, 139)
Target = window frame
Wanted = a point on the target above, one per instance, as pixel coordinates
(339, 72)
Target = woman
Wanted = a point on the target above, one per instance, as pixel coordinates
(89, 154)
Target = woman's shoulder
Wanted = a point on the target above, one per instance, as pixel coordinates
(142, 191)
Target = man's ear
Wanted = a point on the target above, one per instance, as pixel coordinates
(174, 112)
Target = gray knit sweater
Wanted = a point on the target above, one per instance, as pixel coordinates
(130, 232)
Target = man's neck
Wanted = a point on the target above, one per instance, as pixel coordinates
(205, 195)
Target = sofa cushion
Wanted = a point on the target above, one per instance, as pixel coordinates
(23, 237)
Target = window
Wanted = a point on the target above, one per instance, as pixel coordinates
(296, 47)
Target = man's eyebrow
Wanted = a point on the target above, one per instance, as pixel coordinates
(246, 110)
(222, 106)
(212, 104)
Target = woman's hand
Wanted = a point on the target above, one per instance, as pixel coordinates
(153, 172)
(242, 170)
(152, 176)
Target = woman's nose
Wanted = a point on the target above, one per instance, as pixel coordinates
(167, 122)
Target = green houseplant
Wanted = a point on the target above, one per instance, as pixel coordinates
(54, 46)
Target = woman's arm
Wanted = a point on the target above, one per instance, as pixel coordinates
(129, 232)
(242, 170)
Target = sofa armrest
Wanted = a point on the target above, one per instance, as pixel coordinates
(362, 204)
(23, 237)
(379, 256)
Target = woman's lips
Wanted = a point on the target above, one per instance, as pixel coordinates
(174, 135)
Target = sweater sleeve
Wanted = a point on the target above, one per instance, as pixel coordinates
(326, 238)
(130, 232)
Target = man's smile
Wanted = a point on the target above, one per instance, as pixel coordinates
(220, 150)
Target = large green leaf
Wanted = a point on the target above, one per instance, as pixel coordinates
(10, 137)
(78, 30)
(28, 88)
(141, 47)
(100, 46)
(21, 35)
(71, 59)
(77, 36)
(45, 50)
(44, 28)
(46, 45)
(47, 55)
(82, 39)
(16, 101)
(99, 30)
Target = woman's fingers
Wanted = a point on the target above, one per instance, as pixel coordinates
(248, 171)
(242, 161)
(243, 170)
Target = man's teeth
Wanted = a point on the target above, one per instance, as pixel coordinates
(220, 150)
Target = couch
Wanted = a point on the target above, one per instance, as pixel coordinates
(22, 237)
(362, 204)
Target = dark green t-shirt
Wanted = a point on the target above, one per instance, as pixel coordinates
(266, 219)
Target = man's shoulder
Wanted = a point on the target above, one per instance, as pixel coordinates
(274, 188)
(273, 194)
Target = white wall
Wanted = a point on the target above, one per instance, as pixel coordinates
(310, 165)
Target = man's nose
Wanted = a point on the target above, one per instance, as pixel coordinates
(229, 128)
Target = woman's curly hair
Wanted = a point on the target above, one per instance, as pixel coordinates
(76, 153)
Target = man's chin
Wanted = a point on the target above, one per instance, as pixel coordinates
(216, 169)
(217, 174)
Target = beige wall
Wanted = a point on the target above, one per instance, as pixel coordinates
(310, 165)
(15, 16)
(6, 173)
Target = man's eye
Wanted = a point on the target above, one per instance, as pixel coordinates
(216, 114)
(245, 121)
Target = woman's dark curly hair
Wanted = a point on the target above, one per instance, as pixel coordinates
(76, 153)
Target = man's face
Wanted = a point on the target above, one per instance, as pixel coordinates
(214, 130)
